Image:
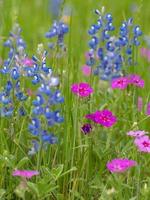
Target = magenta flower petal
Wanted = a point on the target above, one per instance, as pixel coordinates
(104, 117)
(143, 144)
(136, 80)
(120, 83)
(119, 165)
(81, 89)
(25, 173)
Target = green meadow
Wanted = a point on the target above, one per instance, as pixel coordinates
(75, 167)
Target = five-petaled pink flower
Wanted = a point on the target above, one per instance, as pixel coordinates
(136, 80)
(136, 133)
(143, 143)
(81, 89)
(119, 165)
(104, 117)
(120, 83)
(25, 173)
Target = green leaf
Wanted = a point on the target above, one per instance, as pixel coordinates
(2, 193)
(34, 188)
(56, 172)
(22, 162)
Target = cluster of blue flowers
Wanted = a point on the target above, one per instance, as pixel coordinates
(18, 67)
(109, 52)
(58, 30)
(12, 94)
(44, 116)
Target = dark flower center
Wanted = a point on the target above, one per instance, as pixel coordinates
(146, 144)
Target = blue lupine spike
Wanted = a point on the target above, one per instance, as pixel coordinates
(15, 74)
(39, 100)
(20, 96)
(137, 31)
(36, 79)
(6, 111)
(109, 17)
(8, 43)
(38, 110)
(22, 111)
(8, 86)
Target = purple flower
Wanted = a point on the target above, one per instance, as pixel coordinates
(143, 144)
(136, 80)
(119, 165)
(120, 83)
(25, 173)
(81, 89)
(104, 117)
(136, 133)
(86, 128)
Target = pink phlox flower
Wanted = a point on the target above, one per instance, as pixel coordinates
(136, 133)
(86, 70)
(143, 143)
(119, 165)
(104, 117)
(136, 80)
(120, 83)
(25, 173)
(28, 62)
(81, 89)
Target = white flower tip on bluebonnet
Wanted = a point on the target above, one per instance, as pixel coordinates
(54, 81)
(103, 9)
(40, 49)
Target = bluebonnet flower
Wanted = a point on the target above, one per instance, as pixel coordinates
(44, 113)
(58, 31)
(10, 98)
(12, 94)
(108, 53)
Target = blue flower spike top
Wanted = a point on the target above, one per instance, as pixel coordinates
(56, 34)
(108, 52)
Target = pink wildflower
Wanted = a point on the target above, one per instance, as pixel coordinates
(81, 89)
(140, 104)
(136, 80)
(86, 70)
(119, 165)
(136, 133)
(28, 62)
(120, 83)
(143, 144)
(104, 117)
(25, 173)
